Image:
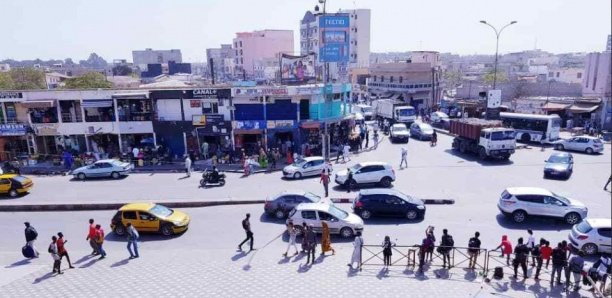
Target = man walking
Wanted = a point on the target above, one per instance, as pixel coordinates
(375, 139)
(559, 260)
(404, 157)
(57, 263)
(246, 225)
(91, 237)
(367, 137)
(446, 245)
(349, 180)
(311, 244)
(474, 250)
(576, 263)
(188, 165)
(31, 235)
(132, 240)
(61, 249)
(537, 254)
(531, 245)
(325, 181)
(521, 252)
(100, 241)
(357, 244)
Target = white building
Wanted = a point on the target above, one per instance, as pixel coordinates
(597, 82)
(5, 67)
(566, 74)
(150, 56)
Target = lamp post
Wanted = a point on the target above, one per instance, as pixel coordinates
(497, 34)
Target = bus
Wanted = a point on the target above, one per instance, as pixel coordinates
(532, 127)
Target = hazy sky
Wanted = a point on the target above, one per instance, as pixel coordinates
(113, 28)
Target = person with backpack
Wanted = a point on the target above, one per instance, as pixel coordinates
(576, 263)
(100, 240)
(31, 235)
(132, 240)
(61, 249)
(246, 225)
(91, 237)
(506, 248)
(431, 242)
(387, 251)
(559, 262)
(474, 250)
(446, 245)
(521, 253)
(57, 263)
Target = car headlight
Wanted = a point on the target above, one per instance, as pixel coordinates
(177, 223)
(420, 207)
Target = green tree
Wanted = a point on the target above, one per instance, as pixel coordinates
(489, 77)
(6, 82)
(27, 78)
(122, 70)
(453, 78)
(88, 80)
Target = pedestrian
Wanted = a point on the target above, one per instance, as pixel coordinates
(446, 245)
(61, 249)
(546, 252)
(387, 246)
(326, 240)
(311, 244)
(188, 165)
(531, 244)
(474, 250)
(521, 253)
(132, 241)
(568, 252)
(340, 152)
(347, 153)
(506, 248)
(603, 266)
(434, 138)
(57, 263)
(272, 160)
(367, 137)
(91, 237)
(100, 241)
(576, 263)
(304, 242)
(356, 256)
(349, 180)
(536, 252)
(559, 262)
(292, 234)
(31, 235)
(325, 181)
(246, 166)
(375, 139)
(429, 233)
(246, 225)
(423, 249)
(608, 183)
(404, 157)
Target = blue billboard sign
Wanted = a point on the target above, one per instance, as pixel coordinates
(334, 37)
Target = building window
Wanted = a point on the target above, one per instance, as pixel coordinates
(235, 44)
(374, 78)
(241, 61)
(391, 79)
(551, 74)
(382, 78)
(558, 73)
(241, 43)
(241, 52)
(401, 79)
(579, 75)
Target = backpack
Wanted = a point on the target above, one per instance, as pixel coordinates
(473, 245)
(50, 249)
(448, 241)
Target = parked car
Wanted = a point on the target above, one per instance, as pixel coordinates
(14, 185)
(521, 202)
(281, 204)
(421, 131)
(399, 132)
(103, 168)
(559, 164)
(149, 217)
(387, 202)
(308, 166)
(338, 220)
(440, 120)
(368, 173)
(586, 144)
(592, 235)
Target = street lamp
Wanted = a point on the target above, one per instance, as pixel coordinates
(497, 34)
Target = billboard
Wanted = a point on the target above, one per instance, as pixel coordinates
(297, 69)
(334, 37)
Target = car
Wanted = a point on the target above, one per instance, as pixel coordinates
(585, 144)
(387, 202)
(14, 185)
(559, 164)
(364, 110)
(149, 217)
(339, 221)
(399, 132)
(422, 131)
(308, 166)
(368, 173)
(103, 168)
(440, 120)
(281, 204)
(592, 235)
(521, 202)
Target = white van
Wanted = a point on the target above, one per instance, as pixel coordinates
(364, 110)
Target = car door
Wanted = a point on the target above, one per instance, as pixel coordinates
(317, 167)
(307, 169)
(532, 204)
(604, 240)
(376, 173)
(371, 203)
(388, 205)
(309, 217)
(130, 217)
(5, 185)
(105, 169)
(332, 222)
(553, 207)
(148, 221)
(287, 203)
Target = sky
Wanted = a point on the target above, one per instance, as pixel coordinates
(113, 28)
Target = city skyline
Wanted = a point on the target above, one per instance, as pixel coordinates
(73, 29)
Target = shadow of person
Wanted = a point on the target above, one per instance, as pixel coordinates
(382, 273)
(304, 268)
(83, 259)
(299, 257)
(19, 263)
(89, 264)
(121, 263)
(239, 256)
(43, 278)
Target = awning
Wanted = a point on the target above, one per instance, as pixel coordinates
(97, 103)
(132, 95)
(38, 104)
(578, 108)
(553, 106)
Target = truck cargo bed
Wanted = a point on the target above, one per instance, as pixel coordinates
(470, 127)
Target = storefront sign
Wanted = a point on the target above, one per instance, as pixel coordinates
(206, 119)
(195, 103)
(260, 91)
(12, 130)
(310, 124)
(205, 93)
(272, 124)
(9, 94)
(305, 90)
(249, 124)
(334, 37)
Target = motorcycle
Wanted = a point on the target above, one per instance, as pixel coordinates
(207, 179)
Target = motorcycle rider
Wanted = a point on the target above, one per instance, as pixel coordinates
(214, 175)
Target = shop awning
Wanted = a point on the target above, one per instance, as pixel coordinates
(97, 103)
(38, 104)
(553, 106)
(132, 95)
(578, 108)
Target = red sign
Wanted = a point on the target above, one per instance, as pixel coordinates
(195, 103)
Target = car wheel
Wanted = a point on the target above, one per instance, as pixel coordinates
(166, 230)
(115, 175)
(222, 182)
(385, 182)
(119, 230)
(590, 249)
(81, 176)
(13, 193)
(411, 215)
(519, 216)
(589, 150)
(346, 232)
(572, 218)
(482, 153)
(297, 175)
(365, 214)
(559, 147)
(279, 214)
(526, 138)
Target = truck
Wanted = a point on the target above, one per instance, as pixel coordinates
(394, 111)
(486, 138)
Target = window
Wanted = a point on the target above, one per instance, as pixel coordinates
(145, 216)
(393, 200)
(241, 43)
(552, 201)
(374, 78)
(325, 216)
(236, 52)
(579, 75)
(4, 182)
(401, 79)
(382, 78)
(287, 199)
(606, 232)
(235, 44)
(309, 215)
(355, 17)
(551, 74)
(241, 61)
(391, 79)
(530, 198)
(241, 52)
(129, 214)
(558, 73)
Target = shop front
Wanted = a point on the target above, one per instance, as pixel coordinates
(13, 141)
(311, 134)
(213, 134)
(249, 135)
(281, 132)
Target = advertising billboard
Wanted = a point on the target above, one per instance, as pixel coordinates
(334, 37)
(297, 69)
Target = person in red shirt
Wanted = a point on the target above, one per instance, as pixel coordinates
(546, 252)
(61, 250)
(100, 240)
(91, 236)
(506, 247)
(325, 181)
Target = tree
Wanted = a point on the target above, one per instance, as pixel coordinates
(94, 61)
(122, 70)
(453, 78)
(27, 78)
(489, 77)
(68, 61)
(88, 80)
(6, 82)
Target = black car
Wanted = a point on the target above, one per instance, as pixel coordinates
(559, 164)
(280, 205)
(387, 202)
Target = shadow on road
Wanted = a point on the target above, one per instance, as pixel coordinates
(19, 263)
(144, 237)
(121, 263)
(97, 179)
(474, 158)
(43, 278)
(533, 223)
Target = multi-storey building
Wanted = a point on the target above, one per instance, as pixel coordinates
(249, 47)
(150, 56)
(219, 58)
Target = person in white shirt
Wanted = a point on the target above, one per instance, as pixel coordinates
(346, 152)
(356, 258)
(531, 245)
(57, 261)
(404, 157)
(188, 166)
(135, 152)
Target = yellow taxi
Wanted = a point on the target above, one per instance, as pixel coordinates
(149, 217)
(14, 185)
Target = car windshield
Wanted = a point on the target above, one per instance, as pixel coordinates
(299, 162)
(161, 211)
(426, 127)
(312, 197)
(20, 179)
(558, 159)
(407, 112)
(399, 128)
(597, 141)
(355, 168)
(502, 135)
(366, 109)
(584, 227)
(562, 199)
(338, 213)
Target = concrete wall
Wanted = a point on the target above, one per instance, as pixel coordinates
(513, 90)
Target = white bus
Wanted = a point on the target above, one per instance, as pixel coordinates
(533, 128)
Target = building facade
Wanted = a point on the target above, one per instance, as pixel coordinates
(150, 56)
(597, 83)
(250, 47)
(220, 58)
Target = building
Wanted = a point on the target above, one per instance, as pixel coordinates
(5, 67)
(55, 80)
(150, 56)
(219, 58)
(250, 47)
(597, 83)
(609, 43)
(566, 75)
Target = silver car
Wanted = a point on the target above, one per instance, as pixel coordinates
(103, 168)
(585, 144)
(592, 235)
(309, 166)
(339, 221)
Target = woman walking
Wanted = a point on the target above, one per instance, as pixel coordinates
(326, 240)
(292, 233)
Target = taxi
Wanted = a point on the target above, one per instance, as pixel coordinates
(149, 217)
(15, 185)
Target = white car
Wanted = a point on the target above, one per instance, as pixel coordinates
(103, 168)
(399, 132)
(438, 117)
(338, 220)
(368, 173)
(521, 202)
(592, 235)
(364, 110)
(586, 144)
(309, 166)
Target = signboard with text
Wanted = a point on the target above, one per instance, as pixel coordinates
(334, 37)
(297, 69)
